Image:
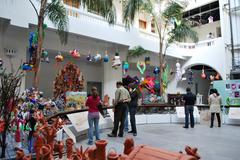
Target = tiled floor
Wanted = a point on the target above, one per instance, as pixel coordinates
(213, 144)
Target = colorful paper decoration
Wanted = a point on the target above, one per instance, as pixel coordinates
(59, 58)
(147, 60)
(116, 61)
(97, 57)
(217, 76)
(125, 67)
(1, 62)
(27, 67)
(156, 70)
(106, 57)
(203, 75)
(141, 66)
(75, 53)
(44, 56)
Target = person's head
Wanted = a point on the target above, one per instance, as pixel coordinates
(216, 92)
(94, 92)
(119, 84)
(210, 33)
(188, 89)
(211, 91)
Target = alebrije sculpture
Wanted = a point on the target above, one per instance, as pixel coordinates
(156, 70)
(39, 142)
(59, 58)
(44, 56)
(125, 67)
(141, 66)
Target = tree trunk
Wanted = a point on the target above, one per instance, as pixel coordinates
(39, 44)
(161, 68)
(4, 145)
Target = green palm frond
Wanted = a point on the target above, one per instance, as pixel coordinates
(181, 32)
(173, 10)
(136, 52)
(131, 8)
(56, 12)
(105, 8)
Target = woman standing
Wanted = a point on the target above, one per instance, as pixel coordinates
(93, 115)
(133, 108)
(215, 106)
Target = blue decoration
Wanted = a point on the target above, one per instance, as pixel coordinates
(156, 70)
(106, 58)
(27, 67)
(157, 84)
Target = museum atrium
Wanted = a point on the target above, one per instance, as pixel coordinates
(74, 72)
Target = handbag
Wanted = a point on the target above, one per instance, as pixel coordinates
(100, 109)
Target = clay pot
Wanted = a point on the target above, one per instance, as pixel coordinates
(19, 154)
(101, 149)
(112, 155)
(128, 146)
(69, 144)
(92, 153)
(45, 152)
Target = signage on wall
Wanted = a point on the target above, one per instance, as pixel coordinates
(229, 91)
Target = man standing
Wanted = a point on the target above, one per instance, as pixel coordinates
(189, 99)
(122, 97)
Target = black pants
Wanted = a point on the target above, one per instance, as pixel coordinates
(132, 111)
(218, 118)
(189, 111)
(119, 117)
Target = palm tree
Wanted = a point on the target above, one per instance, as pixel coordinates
(168, 21)
(56, 13)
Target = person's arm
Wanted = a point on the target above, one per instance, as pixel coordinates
(128, 97)
(87, 103)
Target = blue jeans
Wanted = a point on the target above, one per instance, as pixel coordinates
(189, 111)
(91, 121)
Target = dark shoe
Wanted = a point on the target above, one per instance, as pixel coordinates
(120, 135)
(112, 135)
(134, 134)
(192, 126)
(219, 125)
(185, 127)
(211, 126)
(130, 132)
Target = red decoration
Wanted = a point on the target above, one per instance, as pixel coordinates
(203, 75)
(75, 53)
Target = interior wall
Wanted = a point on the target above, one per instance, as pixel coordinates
(91, 72)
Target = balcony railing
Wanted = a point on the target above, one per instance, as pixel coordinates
(196, 45)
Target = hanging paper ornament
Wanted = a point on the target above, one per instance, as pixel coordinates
(141, 66)
(147, 60)
(156, 70)
(75, 53)
(203, 75)
(116, 61)
(97, 57)
(217, 76)
(157, 84)
(106, 57)
(27, 67)
(211, 77)
(1, 62)
(59, 58)
(125, 67)
(44, 56)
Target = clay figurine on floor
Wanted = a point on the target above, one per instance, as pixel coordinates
(59, 148)
(45, 152)
(192, 152)
(69, 145)
(128, 146)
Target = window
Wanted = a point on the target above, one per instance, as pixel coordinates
(72, 3)
(142, 24)
(153, 28)
(218, 31)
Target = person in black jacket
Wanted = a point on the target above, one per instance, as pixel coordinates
(189, 99)
(133, 108)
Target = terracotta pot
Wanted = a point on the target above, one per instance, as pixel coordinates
(101, 149)
(112, 155)
(69, 144)
(128, 146)
(92, 153)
